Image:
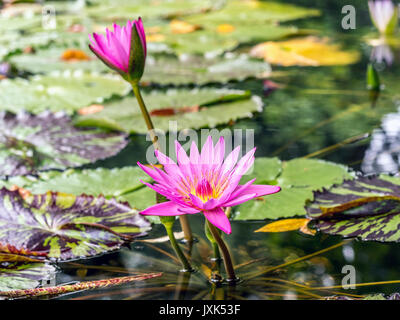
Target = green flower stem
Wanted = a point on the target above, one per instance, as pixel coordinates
(168, 223)
(225, 253)
(146, 115)
(217, 255)
(150, 127)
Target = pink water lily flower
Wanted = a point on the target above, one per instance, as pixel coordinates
(384, 15)
(203, 182)
(123, 49)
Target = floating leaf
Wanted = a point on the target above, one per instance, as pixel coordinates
(310, 51)
(123, 184)
(48, 60)
(297, 178)
(67, 91)
(22, 276)
(49, 140)
(253, 12)
(189, 108)
(284, 225)
(367, 208)
(198, 70)
(63, 226)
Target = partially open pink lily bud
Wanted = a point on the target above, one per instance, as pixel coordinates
(384, 15)
(123, 49)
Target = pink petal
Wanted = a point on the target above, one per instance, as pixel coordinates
(168, 208)
(239, 200)
(218, 218)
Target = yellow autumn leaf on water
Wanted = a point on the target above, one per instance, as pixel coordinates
(225, 28)
(287, 225)
(309, 51)
(180, 27)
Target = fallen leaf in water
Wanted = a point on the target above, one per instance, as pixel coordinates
(73, 55)
(284, 225)
(225, 28)
(94, 108)
(181, 27)
(309, 51)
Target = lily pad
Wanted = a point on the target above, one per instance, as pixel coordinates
(63, 226)
(191, 109)
(309, 51)
(253, 12)
(210, 41)
(48, 60)
(160, 69)
(16, 275)
(49, 140)
(67, 91)
(198, 70)
(123, 184)
(297, 178)
(366, 207)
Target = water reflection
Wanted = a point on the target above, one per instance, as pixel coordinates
(383, 154)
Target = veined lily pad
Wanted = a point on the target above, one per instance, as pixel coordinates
(210, 41)
(67, 91)
(253, 12)
(198, 70)
(161, 69)
(17, 275)
(189, 108)
(310, 51)
(297, 178)
(49, 140)
(48, 60)
(63, 226)
(123, 184)
(147, 9)
(367, 208)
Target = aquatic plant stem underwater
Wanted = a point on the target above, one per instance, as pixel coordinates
(168, 223)
(225, 253)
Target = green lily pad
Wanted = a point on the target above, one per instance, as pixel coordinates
(193, 109)
(297, 178)
(132, 9)
(210, 41)
(36, 142)
(48, 60)
(367, 208)
(160, 69)
(198, 70)
(63, 226)
(253, 12)
(67, 91)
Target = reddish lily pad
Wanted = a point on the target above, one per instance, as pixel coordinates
(49, 141)
(62, 226)
(367, 208)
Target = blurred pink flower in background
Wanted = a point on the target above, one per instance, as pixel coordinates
(203, 182)
(384, 15)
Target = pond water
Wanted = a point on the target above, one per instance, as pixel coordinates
(321, 112)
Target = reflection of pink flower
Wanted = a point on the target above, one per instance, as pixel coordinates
(116, 51)
(203, 182)
(383, 14)
(382, 53)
